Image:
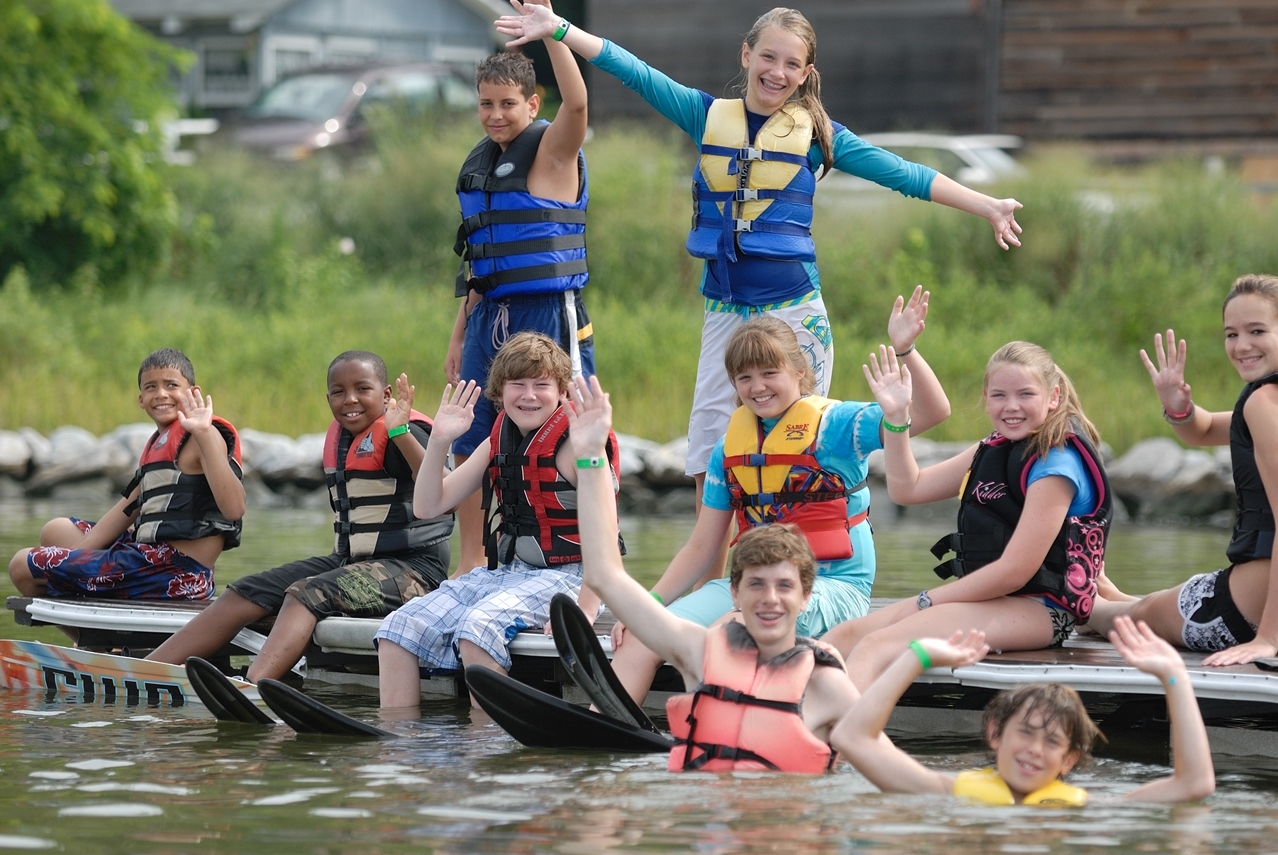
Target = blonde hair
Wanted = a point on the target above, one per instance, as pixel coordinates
(766, 342)
(808, 95)
(1260, 284)
(765, 545)
(1068, 416)
(528, 355)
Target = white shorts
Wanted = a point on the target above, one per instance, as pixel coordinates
(715, 398)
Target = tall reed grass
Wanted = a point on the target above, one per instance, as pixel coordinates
(260, 294)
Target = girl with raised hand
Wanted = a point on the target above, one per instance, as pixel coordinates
(753, 188)
(1034, 513)
(1231, 613)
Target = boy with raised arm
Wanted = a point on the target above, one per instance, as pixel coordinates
(762, 697)
(1038, 732)
(181, 510)
(383, 556)
(523, 191)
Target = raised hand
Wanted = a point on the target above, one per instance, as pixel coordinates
(401, 406)
(1003, 221)
(456, 411)
(533, 23)
(589, 417)
(907, 321)
(195, 411)
(1142, 649)
(958, 650)
(889, 380)
(1169, 374)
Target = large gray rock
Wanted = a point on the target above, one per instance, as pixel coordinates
(1158, 478)
(634, 452)
(122, 447)
(665, 465)
(15, 454)
(281, 462)
(74, 455)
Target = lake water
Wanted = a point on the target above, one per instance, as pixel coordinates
(93, 777)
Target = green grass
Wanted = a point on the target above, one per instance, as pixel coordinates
(259, 295)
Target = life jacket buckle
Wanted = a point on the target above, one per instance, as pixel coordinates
(743, 225)
(750, 153)
(747, 194)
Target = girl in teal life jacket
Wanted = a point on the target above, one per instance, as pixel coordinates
(1034, 511)
(753, 187)
(1231, 613)
(1038, 732)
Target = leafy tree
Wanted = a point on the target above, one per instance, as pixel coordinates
(82, 183)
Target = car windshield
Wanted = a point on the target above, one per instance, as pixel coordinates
(314, 97)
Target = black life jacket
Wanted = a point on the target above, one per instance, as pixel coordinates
(370, 488)
(173, 505)
(991, 502)
(1253, 535)
(530, 510)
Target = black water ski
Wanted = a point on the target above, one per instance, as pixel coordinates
(539, 720)
(220, 695)
(307, 715)
(582, 655)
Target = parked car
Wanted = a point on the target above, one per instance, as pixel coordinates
(973, 159)
(323, 108)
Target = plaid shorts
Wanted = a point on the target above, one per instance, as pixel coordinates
(485, 607)
(126, 570)
(327, 585)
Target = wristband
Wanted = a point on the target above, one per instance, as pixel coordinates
(591, 462)
(924, 659)
(657, 596)
(561, 31)
(903, 353)
(897, 428)
(397, 431)
(1181, 418)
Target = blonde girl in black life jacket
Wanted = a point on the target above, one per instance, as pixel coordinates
(1038, 732)
(1231, 613)
(1034, 510)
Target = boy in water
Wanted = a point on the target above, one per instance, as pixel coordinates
(181, 510)
(383, 556)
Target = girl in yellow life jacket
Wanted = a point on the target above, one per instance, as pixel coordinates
(1038, 732)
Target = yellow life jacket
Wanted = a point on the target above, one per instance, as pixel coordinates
(987, 787)
(776, 478)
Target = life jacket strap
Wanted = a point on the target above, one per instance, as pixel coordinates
(472, 251)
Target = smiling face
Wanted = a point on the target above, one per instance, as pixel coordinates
(356, 396)
(158, 394)
(775, 67)
(768, 392)
(505, 111)
(1017, 402)
(1251, 335)
(529, 401)
(771, 598)
(1030, 752)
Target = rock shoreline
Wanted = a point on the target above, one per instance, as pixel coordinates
(1156, 480)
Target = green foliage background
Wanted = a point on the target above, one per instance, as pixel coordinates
(255, 288)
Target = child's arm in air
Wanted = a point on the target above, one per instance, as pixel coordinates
(436, 493)
(929, 406)
(195, 415)
(398, 414)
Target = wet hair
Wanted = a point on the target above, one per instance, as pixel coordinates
(771, 544)
(1068, 416)
(372, 360)
(525, 355)
(1260, 284)
(766, 342)
(1057, 704)
(513, 69)
(808, 95)
(168, 357)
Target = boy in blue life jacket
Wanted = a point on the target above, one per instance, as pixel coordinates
(523, 191)
(383, 556)
(183, 507)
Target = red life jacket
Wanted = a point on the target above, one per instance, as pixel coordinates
(531, 509)
(775, 477)
(747, 714)
(174, 505)
(372, 496)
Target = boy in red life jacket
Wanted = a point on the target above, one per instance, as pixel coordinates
(383, 555)
(181, 510)
(762, 697)
(527, 469)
